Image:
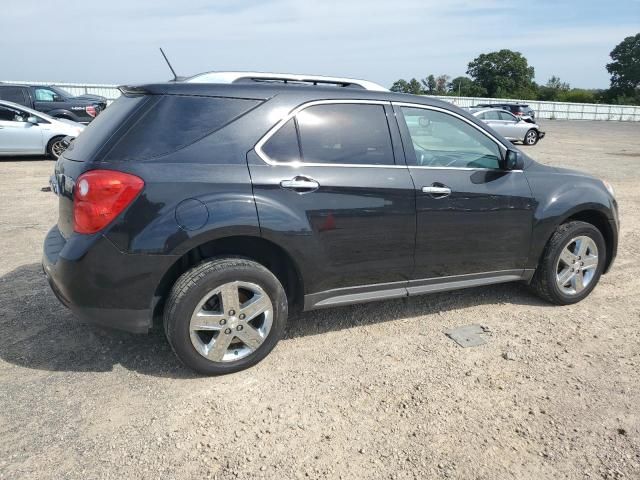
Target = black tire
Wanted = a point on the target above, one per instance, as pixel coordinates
(544, 281)
(193, 285)
(52, 150)
(531, 137)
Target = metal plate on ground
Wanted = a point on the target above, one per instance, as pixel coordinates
(468, 335)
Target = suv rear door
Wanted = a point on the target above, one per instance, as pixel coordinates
(473, 218)
(330, 184)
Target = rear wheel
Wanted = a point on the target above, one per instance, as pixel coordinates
(225, 315)
(531, 137)
(55, 147)
(571, 265)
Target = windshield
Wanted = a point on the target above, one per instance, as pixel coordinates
(61, 91)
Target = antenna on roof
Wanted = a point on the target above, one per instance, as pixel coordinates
(175, 77)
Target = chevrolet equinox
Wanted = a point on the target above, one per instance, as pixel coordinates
(216, 205)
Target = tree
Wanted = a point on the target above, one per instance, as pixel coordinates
(625, 68)
(400, 86)
(503, 73)
(441, 84)
(465, 87)
(429, 84)
(412, 86)
(553, 90)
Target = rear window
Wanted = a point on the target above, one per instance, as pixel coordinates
(102, 127)
(175, 122)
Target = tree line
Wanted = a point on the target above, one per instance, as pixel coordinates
(507, 74)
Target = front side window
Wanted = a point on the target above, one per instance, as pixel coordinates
(507, 116)
(12, 115)
(442, 140)
(45, 95)
(353, 134)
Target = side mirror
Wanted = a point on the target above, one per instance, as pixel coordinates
(513, 160)
(32, 120)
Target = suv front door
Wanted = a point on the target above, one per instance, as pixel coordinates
(474, 219)
(327, 185)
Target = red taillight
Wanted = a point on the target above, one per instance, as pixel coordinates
(99, 196)
(91, 110)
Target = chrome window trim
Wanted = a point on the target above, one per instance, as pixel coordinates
(500, 145)
(272, 131)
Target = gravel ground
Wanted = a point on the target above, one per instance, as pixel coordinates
(371, 391)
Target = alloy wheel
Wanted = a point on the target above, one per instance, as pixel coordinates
(57, 148)
(577, 265)
(531, 137)
(231, 321)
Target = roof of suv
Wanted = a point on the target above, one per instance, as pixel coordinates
(264, 91)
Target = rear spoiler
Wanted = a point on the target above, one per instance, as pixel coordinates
(133, 90)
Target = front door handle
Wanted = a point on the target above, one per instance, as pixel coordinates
(300, 184)
(438, 191)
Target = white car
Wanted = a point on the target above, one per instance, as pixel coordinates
(24, 131)
(509, 126)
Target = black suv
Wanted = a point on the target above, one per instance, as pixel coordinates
(54, 101)
(218, 208)
(519, 109)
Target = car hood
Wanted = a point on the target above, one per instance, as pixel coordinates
(90, 98)
(69, 122)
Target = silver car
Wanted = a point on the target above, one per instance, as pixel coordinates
(509, 126)
(24, 131)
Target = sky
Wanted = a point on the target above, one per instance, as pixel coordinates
(117, 41)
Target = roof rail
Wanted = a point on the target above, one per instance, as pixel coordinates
(243, 77)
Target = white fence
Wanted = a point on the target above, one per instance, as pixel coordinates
(548, 110)
(561, 110)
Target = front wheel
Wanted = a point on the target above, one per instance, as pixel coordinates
(531, 137)
(56, 147)
(571, 265)
(225, 315)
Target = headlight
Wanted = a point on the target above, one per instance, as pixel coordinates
(609, 188)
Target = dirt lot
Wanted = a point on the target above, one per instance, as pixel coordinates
(373, 391)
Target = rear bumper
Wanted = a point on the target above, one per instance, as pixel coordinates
(102, 285)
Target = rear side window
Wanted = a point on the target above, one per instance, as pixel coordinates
(94, 136)
(354, 134)
(491, 115)
(283, 145)
(13, 94)
(174, 122)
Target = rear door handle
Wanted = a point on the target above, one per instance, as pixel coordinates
(437, 191)
(300, 184)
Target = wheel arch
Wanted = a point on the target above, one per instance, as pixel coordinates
(270, 255)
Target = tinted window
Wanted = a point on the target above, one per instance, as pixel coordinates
(355, 134)
(13, 94)
(442, 140)
(283, 145)
(12, 115)
(174, 122)
(94, 136)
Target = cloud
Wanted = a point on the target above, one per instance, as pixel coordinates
(116, 41)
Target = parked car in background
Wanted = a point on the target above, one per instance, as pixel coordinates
(54, 101)
(509, 126)
(215, 209)
(24, 131)
(521, 110)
